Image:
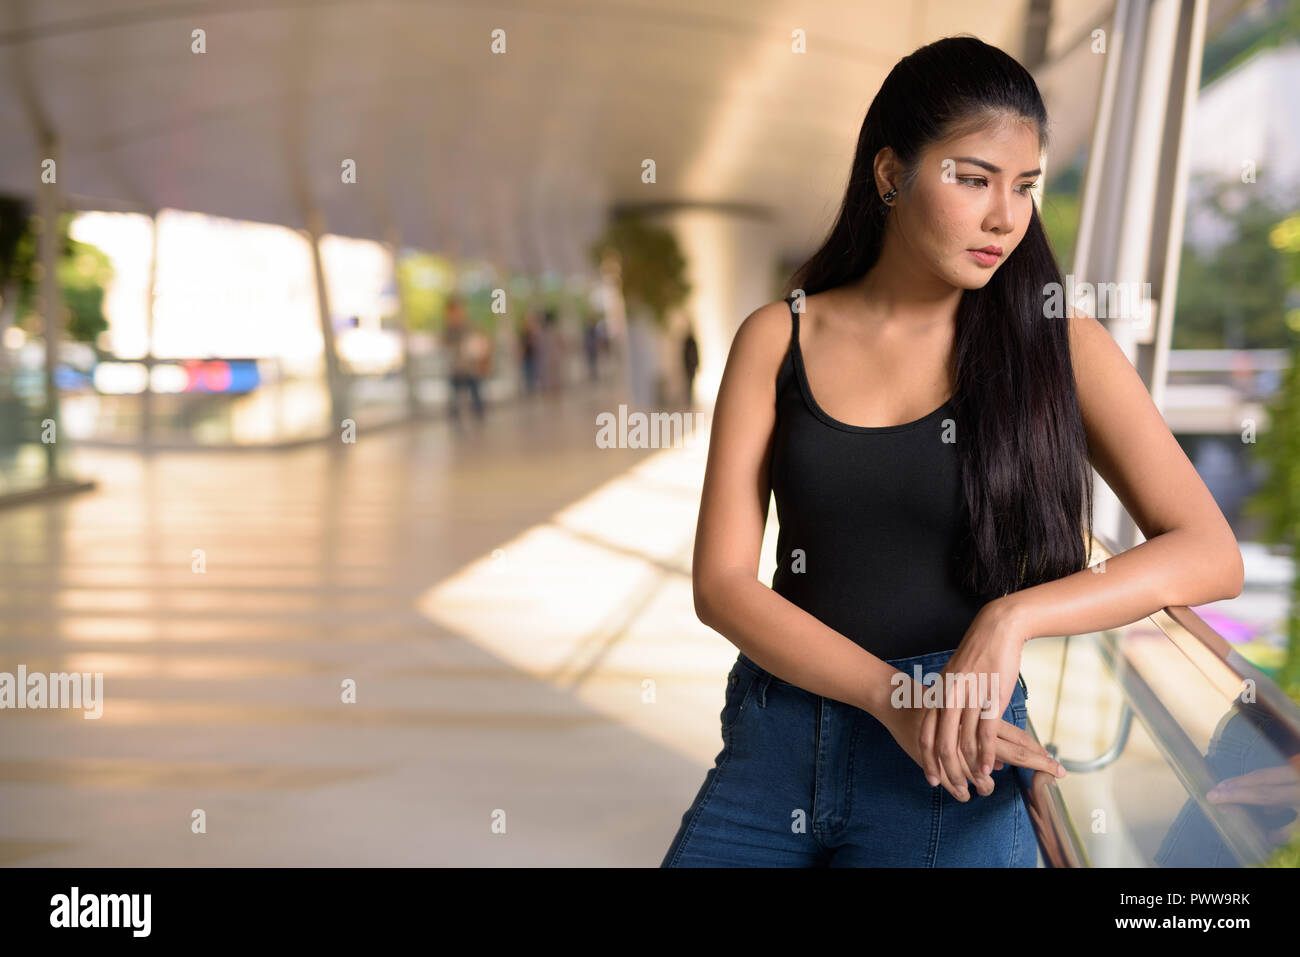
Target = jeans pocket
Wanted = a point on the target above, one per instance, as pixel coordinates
(740, 687)
(1019, 715)
(1019, 706)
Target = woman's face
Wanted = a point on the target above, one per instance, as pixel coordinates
(972, 192)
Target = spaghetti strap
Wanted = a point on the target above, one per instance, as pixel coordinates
(787, 372)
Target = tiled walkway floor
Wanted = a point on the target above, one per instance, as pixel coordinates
(498, 598)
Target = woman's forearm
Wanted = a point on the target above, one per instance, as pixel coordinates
(794, 645)
(1180, 567)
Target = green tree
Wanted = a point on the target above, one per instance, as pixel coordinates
(1277, 501)
(14, 214)
(1060, 215)
(83, 272)
(1249, 34)
(1235, 296)
(652, 265)
(426, 280)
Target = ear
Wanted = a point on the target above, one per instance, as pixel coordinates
(885, 169)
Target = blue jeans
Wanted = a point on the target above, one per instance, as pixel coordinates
(808, 781)
(460, 380)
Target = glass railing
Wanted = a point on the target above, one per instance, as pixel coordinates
(1148, 719)
(31, 460)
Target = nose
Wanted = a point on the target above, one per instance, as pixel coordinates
(1001, 216)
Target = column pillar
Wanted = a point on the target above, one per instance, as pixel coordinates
(146, 400)
(393, 239)
(49, 198)
(732, 254)
(333, 372)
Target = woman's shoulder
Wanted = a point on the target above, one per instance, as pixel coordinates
(760, 344)
(765, 332)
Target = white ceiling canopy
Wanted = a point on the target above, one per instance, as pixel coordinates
(516, 156)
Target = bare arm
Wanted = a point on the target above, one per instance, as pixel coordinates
(769, 628)
(1190, 557)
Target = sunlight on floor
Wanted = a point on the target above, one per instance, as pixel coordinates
(597, 602)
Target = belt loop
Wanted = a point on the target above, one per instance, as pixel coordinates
(763, 682)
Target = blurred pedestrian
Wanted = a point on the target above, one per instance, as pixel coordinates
(591, 346)
(469, 354)
(690, 364)
(529, 346)
(551, 353)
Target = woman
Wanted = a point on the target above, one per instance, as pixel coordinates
(927, 424)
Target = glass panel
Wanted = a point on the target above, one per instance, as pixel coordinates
(1147, 721)
(25, 462)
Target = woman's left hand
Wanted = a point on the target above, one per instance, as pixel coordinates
(985, 668)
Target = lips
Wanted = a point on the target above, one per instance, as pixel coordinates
(985, 257)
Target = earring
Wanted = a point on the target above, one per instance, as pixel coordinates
(889, 197)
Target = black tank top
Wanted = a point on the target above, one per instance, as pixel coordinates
(871, 519)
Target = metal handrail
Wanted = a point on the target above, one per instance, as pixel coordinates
(1058, 841)
(1110, 755)
(1214, 657)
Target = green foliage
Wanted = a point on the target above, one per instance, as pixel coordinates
(652, 265)
(1247, 36)
(1236, 295)
(83, 272)
(426, 280)
(14, 215)
(478, 309)
(1060, 214)
(1288, 855)
(1285, 237)
(1277, 500)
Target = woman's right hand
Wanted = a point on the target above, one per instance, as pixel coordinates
(911, 726)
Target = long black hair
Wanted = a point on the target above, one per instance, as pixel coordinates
(1025, 469)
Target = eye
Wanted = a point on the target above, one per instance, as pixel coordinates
(979, 182)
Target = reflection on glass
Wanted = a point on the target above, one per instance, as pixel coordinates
(1171, 765)
(1254, 781)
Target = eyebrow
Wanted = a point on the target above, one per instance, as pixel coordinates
(994, 169)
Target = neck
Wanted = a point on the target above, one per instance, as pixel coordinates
(899, 288)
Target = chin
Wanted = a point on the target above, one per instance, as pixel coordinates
(977, 281)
